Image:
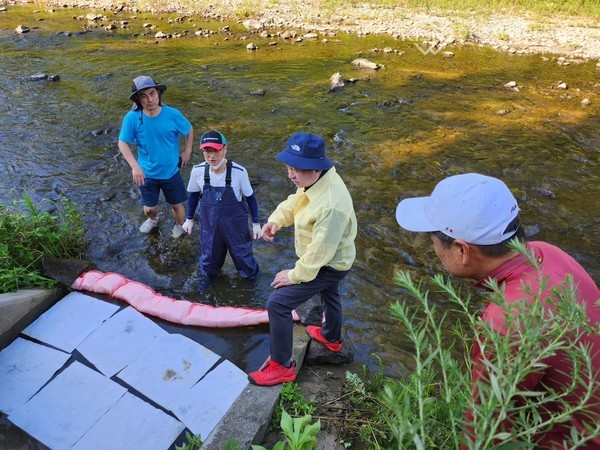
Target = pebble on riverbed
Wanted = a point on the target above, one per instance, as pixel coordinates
(512, 85)
(363, 63)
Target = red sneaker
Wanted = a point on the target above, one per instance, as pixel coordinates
(272, 373)
(315, 333)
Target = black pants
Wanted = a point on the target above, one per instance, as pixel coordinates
(284, 300)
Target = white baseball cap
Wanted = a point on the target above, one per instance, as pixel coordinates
(472, 207)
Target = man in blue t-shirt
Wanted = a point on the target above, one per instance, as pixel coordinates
(155, 128)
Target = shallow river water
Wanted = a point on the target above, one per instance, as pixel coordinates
(393, 133)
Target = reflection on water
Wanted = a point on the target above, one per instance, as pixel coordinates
(393, 133)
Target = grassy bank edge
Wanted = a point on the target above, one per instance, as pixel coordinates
(319, 12)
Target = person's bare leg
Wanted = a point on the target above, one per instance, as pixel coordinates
(178, 213)
(152, 212)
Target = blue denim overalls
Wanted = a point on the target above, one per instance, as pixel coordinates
(224, 226)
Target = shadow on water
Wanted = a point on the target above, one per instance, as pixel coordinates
(393, 133)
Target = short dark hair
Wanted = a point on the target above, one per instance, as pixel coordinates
(493, 250)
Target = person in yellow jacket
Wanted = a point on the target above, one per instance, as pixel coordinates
(324, 221)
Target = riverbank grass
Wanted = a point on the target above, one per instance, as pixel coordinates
(242, 9)
(587, 8)
(27, 235)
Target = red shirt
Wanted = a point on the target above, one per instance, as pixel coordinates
(555, 265)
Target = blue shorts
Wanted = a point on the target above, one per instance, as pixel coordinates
(173, 189)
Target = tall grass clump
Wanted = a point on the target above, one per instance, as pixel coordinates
(427, 410)
(28, 237)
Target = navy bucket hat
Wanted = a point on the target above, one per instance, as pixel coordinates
(305, 151)
(144, 82)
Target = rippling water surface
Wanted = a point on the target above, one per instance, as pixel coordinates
(393, 133)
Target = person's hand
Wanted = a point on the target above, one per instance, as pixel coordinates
(185, 157)
(268, 231)
(188, 226)
(138, 175)
(281, 279)
(256, 231)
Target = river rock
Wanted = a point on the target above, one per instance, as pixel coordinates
(318, 354)
(545, 192)
(310, 36)
(93, 17)
(531, 230)
(448, 54)
(161, 35)
(38, 77)
(562, 85)
(259, 92)
(288, 35)
(337, 81)
(22, 29)
(3, 9)
(108, 197)
(65, 270)
(252, 25)
(311, 311)
(251, 46)
(586, 101)
(510, 84)
(363, 63)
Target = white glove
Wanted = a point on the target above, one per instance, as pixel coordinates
(256, 230)
(188, 226)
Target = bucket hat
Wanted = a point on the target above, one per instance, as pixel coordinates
(473, 207)
(305, 151)
(144, 82)
(213, 139)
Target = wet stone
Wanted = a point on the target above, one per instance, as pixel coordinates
(311, 312)
(65, 270)
(318, 354)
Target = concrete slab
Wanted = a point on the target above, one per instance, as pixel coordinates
(248, 419)
(19, 309)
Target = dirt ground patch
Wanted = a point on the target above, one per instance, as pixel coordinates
(322, 385)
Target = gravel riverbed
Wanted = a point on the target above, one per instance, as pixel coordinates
(574, 38)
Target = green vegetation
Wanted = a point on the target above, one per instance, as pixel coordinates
(194, 442)
(463, 31)
(27, 238)
(427, 408)
(536, 330)
(299, 433)
(291, 400)
(242, 9)
(589, 8)
(503, 37)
